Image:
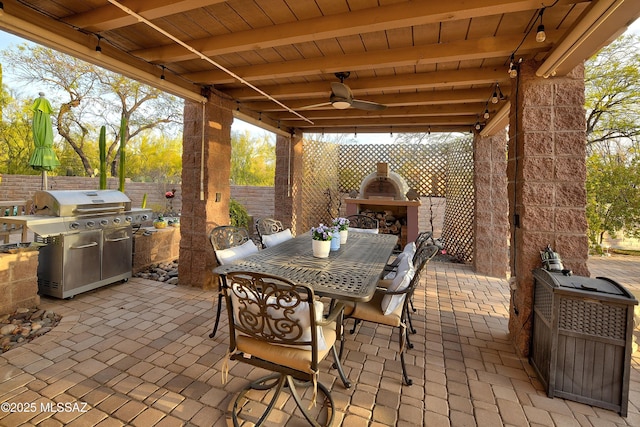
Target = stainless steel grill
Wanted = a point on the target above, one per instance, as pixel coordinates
(87, 236)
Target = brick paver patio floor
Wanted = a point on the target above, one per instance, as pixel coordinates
(138, 353)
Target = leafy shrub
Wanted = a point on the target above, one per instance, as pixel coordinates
(238, 214)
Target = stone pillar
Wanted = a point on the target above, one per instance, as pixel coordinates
(288, 180)
(206, 170)
(491, 226)
(547, 173)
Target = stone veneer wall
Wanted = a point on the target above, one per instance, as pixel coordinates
(156, 246)
(547, 195)
(491, 225)
(18, 281)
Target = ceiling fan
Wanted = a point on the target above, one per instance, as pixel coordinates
(342, 98)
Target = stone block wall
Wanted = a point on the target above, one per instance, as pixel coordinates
(546, 172)
(18, 281)
(153, 246)
(259, 201)
(491, 225)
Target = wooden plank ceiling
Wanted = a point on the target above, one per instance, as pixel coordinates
(434, 64)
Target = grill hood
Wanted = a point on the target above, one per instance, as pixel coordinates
(64, 203)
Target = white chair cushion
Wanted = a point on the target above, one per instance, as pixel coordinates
(270, 240)
(363, 230)
(400, 283)
(396, 263)
(300, 315)
(410, 248)
(227, 256)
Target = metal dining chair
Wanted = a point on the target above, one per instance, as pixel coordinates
(279, 326)
(363, 223)
(390, 304)
(229, 243)
(272, 228)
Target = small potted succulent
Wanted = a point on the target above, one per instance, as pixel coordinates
(160, 222)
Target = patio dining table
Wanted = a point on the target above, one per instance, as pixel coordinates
(349, 274)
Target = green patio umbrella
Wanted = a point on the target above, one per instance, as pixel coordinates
(43, 158)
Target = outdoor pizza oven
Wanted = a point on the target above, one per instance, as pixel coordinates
(385, 195)
(383, 184)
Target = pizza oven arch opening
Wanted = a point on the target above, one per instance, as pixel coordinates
(383, 195)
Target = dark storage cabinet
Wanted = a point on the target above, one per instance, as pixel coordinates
(582, 336)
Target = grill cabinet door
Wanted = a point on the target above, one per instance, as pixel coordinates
(117, 251)
(82, 259)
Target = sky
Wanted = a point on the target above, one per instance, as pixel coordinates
(7, 40)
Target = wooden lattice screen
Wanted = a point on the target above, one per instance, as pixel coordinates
(320, 180)
(457, 232)
(421, 165)
(439, 170)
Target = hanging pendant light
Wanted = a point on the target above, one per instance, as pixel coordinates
(541, 36)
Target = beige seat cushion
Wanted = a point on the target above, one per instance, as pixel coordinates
(296, 358)
(371, 311)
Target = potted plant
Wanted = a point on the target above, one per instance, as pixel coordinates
(321, 240)
(160, 222)
(343, 227)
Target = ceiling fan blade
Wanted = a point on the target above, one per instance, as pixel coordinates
(367, 105)
(341, 90)
(311, 107)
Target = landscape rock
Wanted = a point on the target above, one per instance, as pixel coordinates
(24, 325)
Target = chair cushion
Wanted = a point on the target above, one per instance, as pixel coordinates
(400, 283)
(300, 316)
(371, 311)
(227, 256)
(363, 230)
(298, 358)
(270, 240)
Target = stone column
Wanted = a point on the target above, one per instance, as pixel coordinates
(288, 179)
(547, 174)
(491, 226)
(206, 169)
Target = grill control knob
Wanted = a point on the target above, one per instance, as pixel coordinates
(128, 219)
(116, 220)
(74, 225)
(91, 224)
(145, 217)
(104, 222)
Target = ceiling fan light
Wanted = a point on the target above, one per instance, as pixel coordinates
(340, 105)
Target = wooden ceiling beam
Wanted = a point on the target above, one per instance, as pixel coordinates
(483, 48)
(436, 79)
(398, 99)
(109, 17)
(423, 128)
(415, 111)
(379, 18)
(387, 121)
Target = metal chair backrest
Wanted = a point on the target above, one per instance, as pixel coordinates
(272, 310)
(423, 255)
(362, 221)
(266, 226)
(228, 236)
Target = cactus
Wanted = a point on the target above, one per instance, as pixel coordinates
(123, 132)
(102, 144)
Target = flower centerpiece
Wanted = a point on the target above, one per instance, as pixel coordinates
(343, 227)
(321, 240)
